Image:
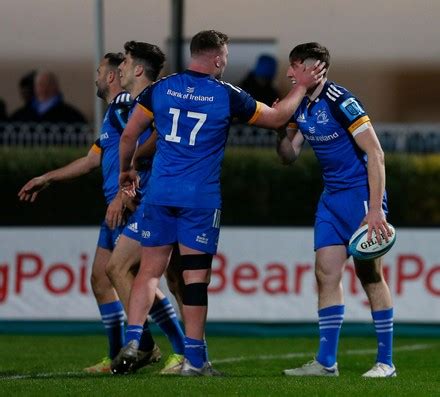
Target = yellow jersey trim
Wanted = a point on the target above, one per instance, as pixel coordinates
(148, 112)
(254, 118)
(96, 148)
(358, 123)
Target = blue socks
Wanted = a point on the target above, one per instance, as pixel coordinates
(146, 342)
(383, 323)
(112, 315)
(330, 322)
(195, 352)
(163, 314)
(133, 332)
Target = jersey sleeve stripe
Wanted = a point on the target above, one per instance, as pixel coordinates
(96, 148)
(358, 123)
(257, 112)
(292, 126)
(147, 111)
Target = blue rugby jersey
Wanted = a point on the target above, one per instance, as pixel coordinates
(192, 113)
(115, 120)
(327, 123)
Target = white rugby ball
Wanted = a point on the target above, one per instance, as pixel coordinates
(360, 248)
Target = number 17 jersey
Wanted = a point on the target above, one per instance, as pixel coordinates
(192, 113)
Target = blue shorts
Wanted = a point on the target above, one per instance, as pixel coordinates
(133, 225)
(197, 228)
(339, 215)
(108, 238)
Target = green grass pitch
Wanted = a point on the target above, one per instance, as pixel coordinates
(51, 366)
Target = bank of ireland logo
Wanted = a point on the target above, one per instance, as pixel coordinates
(190, 90)
(203, 239)
(312, 130)
(146, 234)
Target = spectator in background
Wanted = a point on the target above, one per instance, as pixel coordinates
(48, 105)
(26, 90)
(259, 82)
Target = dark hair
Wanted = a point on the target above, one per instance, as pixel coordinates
(310, 50)
(27, 81)
(208, 40)
(114, 58)
(149, 55)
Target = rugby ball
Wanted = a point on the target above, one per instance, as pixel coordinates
(362, 249)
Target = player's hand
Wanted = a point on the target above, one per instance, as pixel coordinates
(30, 190)
(130, 203)
(311, 75)
(377, 222)
(115, 213)
(129, 182)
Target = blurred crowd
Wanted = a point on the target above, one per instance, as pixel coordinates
(42, 101)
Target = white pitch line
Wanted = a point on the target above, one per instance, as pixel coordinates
(353, 352)
(308, 354)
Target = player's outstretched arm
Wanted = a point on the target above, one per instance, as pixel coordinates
(76, 168)
(278, 115)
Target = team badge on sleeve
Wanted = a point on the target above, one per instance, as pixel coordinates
(352, 109)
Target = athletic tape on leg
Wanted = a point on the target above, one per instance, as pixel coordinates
(195, 294)
(196, 262)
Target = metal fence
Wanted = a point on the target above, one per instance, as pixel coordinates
(412, 138)
(46, 134)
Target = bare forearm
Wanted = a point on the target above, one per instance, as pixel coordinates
(127, 147)
(287, 107)
(376, 178)
(279, 115)
(73, 170)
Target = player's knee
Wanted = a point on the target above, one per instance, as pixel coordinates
(100, 284)
(112, 270)
(367, 273)
(326, 278)
(195, 294)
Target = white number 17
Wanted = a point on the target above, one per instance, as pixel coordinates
(172, 137)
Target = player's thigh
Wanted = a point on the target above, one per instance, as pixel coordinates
(198, 230)
(330, 262)
(102, 256)
(154, 260)
(125, 256)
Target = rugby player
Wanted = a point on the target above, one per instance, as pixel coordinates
(105, 153)
(333, 121)
(192, 112)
